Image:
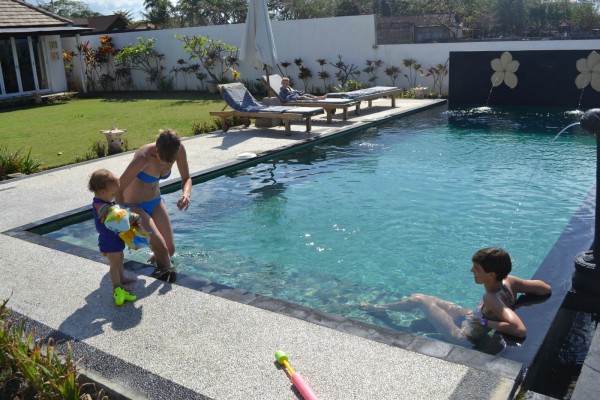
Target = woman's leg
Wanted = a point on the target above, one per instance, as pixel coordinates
(158, 243)
(163, 223)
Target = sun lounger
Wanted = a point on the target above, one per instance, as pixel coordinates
(330, 105)
(369, 94)
(245, 106)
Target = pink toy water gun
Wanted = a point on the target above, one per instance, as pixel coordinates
(302, 386)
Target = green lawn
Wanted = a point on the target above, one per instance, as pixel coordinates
(59, 133)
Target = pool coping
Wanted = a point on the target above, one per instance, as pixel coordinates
(511, 363)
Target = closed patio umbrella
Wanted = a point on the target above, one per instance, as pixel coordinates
(258, 44)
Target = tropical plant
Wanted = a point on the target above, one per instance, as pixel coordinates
(217, 58)
(393, 72)
(123, 77)
(158, 12)
(304, 73)
(438, 73)
(354, 85)
(345, 72)
(11, 163)
(285, 65)
(144, 57)
(414, 70)
(371, 69)
(68, 62)
(323, 75)
(34, 369)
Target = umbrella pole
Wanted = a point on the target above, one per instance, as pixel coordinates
(266, 68)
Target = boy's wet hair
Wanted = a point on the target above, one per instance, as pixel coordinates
(167, 145)
(494, 259)
(101, 179)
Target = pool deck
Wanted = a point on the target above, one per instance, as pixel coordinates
(177, 342)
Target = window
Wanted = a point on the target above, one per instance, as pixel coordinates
(22, 65)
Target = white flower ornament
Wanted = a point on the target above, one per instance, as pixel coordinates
(504, 70)
(589, 71)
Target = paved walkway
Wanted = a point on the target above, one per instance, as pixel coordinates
(175, 342)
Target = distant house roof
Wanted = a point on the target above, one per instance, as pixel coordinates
(104, 23)
(143, 25)
(20, 18)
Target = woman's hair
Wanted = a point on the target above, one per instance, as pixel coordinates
(167, 145)
(101, 179)
(494, 259)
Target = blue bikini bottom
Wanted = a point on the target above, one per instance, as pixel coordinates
(148, 206)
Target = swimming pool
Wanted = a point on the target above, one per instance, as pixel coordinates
(381, 214)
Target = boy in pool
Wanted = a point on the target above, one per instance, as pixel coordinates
(105, 185)
(491, 268)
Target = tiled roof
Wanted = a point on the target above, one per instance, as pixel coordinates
(104, 23)
(18, 14)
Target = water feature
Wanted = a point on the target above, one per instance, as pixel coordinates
(391, 211)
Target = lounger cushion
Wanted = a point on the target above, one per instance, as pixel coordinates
(355, 94)
(274, 83)
(237, 96)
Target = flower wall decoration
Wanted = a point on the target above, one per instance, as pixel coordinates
(589, 71)
(504, 70)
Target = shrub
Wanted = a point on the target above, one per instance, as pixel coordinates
(11, 163)
(33, 369)
(199, 127)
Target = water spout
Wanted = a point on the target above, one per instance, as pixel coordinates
(533, 173)
(564, 129)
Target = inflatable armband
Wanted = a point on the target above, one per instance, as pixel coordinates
(135, 238)
(117, 219)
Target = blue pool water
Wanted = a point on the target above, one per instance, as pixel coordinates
(387, 212)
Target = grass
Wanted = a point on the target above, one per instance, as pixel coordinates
(60, 133)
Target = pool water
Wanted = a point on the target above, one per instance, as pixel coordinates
(392, 210)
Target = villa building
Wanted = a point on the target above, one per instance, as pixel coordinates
(31, 61)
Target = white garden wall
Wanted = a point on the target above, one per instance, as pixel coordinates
(351, 37)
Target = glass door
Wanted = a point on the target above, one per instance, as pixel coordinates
(10, 83)
(22, 65)
(26, 66)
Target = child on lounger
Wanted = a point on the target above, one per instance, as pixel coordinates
(105, 185)
(288, 94)
(491, 267)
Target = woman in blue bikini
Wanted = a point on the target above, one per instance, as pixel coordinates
(140, 191)
(491, 268)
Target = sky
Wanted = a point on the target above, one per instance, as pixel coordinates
(107, 7)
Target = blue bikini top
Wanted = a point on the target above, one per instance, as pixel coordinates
(144, 177)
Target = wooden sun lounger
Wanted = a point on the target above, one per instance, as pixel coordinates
(370, 94)
(234, 92)
(286, 117)
(329, 105)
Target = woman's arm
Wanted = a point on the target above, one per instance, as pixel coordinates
(186, 181)
(137, 164)
(536, 287)
(509, 322)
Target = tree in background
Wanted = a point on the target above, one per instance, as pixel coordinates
(125, 14)
(158, 12)
(480, 18)
(585, 17)
(68, 8)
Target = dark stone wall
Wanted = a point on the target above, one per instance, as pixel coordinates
(545, 78)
